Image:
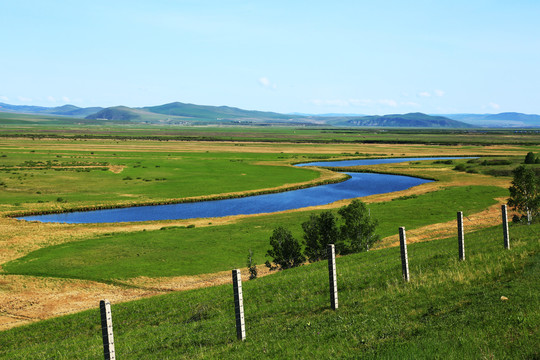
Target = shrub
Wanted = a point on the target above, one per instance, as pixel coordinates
(460, 167)
(496, 162)
(252, 267)
(319, 231)
(529, 158)
(286, 251)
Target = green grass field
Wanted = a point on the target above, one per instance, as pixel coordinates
(450, 310)
(38, 179)
(192, 251)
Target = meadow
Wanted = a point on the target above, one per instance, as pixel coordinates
(45, 267)
(178, 251)
(483, 307)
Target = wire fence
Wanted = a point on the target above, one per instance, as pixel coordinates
(238, 298)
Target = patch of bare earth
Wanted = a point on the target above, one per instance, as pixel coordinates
(26, 299)
(117, 169)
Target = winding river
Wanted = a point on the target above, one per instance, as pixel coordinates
(359, 185)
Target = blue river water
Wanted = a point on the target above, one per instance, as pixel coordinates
(359, 185)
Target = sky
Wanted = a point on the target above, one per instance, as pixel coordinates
(317, 57)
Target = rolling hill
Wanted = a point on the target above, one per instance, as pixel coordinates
(506, 119)
(400, 120)
(65, 110)
(177, 113)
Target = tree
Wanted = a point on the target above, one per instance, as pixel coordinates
(359, 227)
(524, 192)
(529, 158)
(286, 251)
(319, 231)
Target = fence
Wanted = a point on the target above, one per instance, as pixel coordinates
(105, 307)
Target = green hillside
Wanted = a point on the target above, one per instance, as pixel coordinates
(220, 113)
(484, 307)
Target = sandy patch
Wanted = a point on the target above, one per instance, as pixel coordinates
(117, 169)
(27, 299)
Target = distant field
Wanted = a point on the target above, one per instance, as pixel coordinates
(62, 127)
(33, 177)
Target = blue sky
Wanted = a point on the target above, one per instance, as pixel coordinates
(361, 57)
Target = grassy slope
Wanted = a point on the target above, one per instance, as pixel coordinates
(450, 310)
(179, 251)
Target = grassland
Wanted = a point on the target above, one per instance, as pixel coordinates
(178, 251)
(38, 126)
(484, 307)
(111, 166)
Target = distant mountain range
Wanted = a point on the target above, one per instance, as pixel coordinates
(65, 110)
(184, 114)
(506, 119)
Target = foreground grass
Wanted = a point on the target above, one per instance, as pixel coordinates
(450, 310)
(176, 251)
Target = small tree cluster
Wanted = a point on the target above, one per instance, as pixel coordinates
(353, 232)
(531, 159)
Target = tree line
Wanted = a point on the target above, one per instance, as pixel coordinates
(351, 231)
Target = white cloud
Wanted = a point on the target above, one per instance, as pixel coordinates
(23, 99)
(424, 94)
(439, 93)
(494, 106)
(51, 98)
(266, 83)
(4, 98)
(65, 99)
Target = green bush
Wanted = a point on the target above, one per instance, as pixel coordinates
(286, 251)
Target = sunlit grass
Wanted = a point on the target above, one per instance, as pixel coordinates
(450, 309)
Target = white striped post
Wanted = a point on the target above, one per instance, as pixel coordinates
(505, 227)
(404, 258)
(332, 275)
(461, 236)
(107, 330)
(239, 305)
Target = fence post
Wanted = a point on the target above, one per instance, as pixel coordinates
(107, 330)
(461, 236)
(331, 252)
(404, 259)
(505, 227)
(239, 305)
